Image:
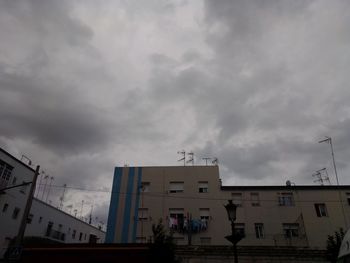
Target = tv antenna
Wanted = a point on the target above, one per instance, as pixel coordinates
(320, 178)
(215, 161)
(206, 160)
(191, 158)
(62, 197)
(183, 153)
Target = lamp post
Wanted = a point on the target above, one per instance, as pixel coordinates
(231, 209)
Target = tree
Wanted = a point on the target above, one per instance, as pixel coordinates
(333, 245)
(162, 249)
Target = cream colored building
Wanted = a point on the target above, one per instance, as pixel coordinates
(181, 196)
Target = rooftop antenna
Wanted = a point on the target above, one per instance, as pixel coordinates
(206, 160)
(215, 161)
(319, 179)
(90, 218)
(45, 178)
(183, 153)
(191, 158)
(324, 178)
(39, 186)
(81, 210)
(48, 191)
(62, 197)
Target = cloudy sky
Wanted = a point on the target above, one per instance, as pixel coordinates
(89, 85)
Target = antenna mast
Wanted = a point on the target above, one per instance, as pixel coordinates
(183, 153)
(191, 159)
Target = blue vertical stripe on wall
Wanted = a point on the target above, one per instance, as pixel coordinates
(136, 211)
(113, 207)
(127, 207)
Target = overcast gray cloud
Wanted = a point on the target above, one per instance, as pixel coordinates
(87, 86)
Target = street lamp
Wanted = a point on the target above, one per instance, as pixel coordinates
(231, 209)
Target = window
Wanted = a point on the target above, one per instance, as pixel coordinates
(15, 213)
(203, 187)
(259, 230)
(40, 219)
(290, 230)
(5, 173)
(321, 210)
(5, 207)
(237, 199)
(204, 213)
(176, 218)
(145, 187)
(80, 236)
(286, 199)
(348, 198)
(30, 218)
(205, 240)
(176, 187)
(240, 229)
(255, 199)
(143, 214)
(74, 233)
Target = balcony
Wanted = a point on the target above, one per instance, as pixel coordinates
(57, 235)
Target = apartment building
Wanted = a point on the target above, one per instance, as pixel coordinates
(190, 202)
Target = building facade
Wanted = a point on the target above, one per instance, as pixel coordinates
(190, 201)
(12, 200)
(49, 222)
(44, 220)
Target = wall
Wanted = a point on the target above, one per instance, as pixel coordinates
(63, 225)
(14, 198)
(312, 230)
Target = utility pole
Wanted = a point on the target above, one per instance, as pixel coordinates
(22, 227)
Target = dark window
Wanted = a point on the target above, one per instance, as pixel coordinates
(286, 199)
(145, 187)
(259, 230)
(4, 209)
(85, 236)
(176, 187)
(255, 199)
(30, 218)
(80, 236)
(49, 229)
(203, 187)
(240, 229)
(74, 233)
(291, 230)
(321, 210)
(15, 213)
(40, 219)
(348, 198)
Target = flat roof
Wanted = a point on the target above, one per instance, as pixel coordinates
(284, 187)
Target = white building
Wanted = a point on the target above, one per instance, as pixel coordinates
(47, 221)
(12, 201)
(44, 220)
